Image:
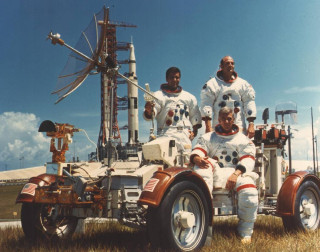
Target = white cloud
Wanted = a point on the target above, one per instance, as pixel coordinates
(23, 146)
(21, 143)
(295, 90)
(302, 148)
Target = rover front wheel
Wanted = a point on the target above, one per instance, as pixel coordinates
(43, 221)
(182, 219)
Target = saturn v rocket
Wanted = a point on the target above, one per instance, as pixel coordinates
(133, 120)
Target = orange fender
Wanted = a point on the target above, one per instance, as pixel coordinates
(288, 192)
(158, 185)
(27, 195)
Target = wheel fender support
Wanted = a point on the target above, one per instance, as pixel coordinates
(27, 195)
(157, 186)
(288, 192)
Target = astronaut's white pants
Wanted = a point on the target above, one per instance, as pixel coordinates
(247, 206)
(247, 197)
(247, 211)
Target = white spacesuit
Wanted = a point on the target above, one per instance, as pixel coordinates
(176, 113)
(238, 94)
(225, 153)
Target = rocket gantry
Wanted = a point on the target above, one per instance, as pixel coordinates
(133, 120)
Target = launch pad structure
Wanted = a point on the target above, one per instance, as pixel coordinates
(96, 52)
(109, 136)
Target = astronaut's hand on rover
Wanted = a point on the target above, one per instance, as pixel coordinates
(201, 162)
(232, 180)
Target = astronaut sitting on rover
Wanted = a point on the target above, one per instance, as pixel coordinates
(225, 158)
(176, 111)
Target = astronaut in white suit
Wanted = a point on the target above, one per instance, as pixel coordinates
(176, 112)
(228, 89)
(225, 158)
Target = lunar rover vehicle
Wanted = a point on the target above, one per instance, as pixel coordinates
(172, 202)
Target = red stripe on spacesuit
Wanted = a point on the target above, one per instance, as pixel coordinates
(197, 148)
(247, 156)
(219, 73)
(164, 87)
(245, 186)
(218, 128)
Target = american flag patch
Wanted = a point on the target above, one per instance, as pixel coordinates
(149, 187)
(29, 188)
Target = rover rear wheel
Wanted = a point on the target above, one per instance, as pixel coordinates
(306, 209)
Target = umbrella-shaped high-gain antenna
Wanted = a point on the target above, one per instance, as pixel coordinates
(84, 58)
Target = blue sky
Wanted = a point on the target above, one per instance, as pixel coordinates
(275, 44)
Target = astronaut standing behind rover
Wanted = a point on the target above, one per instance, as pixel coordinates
(225, 159)
(176, 112)
(227, 89)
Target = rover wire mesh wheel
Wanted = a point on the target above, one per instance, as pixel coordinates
(182, 219)
(41, 221)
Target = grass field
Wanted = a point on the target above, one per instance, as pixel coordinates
(8, 204)
(268, 235)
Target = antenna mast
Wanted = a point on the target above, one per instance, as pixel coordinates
(313, 140)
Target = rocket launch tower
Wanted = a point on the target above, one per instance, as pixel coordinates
(109, 136)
